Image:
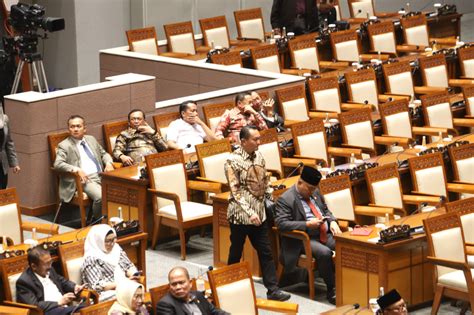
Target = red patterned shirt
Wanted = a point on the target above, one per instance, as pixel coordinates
(232, 122)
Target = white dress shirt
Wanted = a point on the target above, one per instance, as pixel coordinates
(51, 291)
(185, 134)
(87, 165)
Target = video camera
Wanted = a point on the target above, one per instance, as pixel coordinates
(27, 19)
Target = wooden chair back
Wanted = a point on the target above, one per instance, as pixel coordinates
(53, 141)
(385, 187)
(437, 110)
(345, 45)
(382, 37)
(292, 103)
(213, 112)
(434, 71)
(11, 269)
(468, 93)
(157, 293)
(249, 23)
(215, 29)
(325, 94)
(337, 192)
(304, 52)
(10, 215)
(398, 78)
(466, 61)
(162, 122)
(462, 162)
(362, 86)
(309, 139)
(97, 309)
(212, 156)
(143, 40)
(428, 175)
(270, 149)
(111, 131)
(266, 58)
(461, 206)
(415, 30)
(231, 58)
(71, 257)
(356, 127)
(361, 8)
(180, 37)
(396, 120)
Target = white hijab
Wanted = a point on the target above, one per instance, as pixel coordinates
(95, 245)
(125, 291)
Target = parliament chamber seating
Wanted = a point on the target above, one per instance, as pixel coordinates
(180, 37)
(111, 131)
(162, 122)
(466, 62)
(231, 58)
(213, 112)
(250, 25)
(145, 41)
(464, 208)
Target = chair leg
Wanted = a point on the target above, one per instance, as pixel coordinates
(437, 300)
(156, 231)
(182, 238)
(203, 231)
(311, 283)
(464, 307)
(82, 210)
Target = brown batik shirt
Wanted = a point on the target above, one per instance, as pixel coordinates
(249, 184)
(134, 144)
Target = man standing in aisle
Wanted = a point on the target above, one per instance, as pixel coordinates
(249, 185)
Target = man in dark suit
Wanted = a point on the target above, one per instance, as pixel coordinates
(302, 207)
(40, 285)
(298, 16)
(180, 300)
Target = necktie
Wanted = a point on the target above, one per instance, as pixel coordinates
(91, 156)
(323, 228)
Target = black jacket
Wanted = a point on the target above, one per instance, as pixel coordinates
(29, 289)
(284, 14)
(290, 216)
(171, 305)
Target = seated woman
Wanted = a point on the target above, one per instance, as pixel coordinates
(130, 296)
(105, 263)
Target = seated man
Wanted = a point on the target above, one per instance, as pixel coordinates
(40, 285)
(189, 130)
(392, 304)
(181, 300)
(138, 140)
(265, 109)
(302, 208)
(241, 115)
(82, 154)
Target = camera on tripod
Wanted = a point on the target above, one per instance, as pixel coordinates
(27, 19)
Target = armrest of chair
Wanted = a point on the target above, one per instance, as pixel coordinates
(164, 194)
(174, 54)
(45, 228)
(469, 248)
(203, 49)
(370, 106)
(33, 308)
(247, 42)
(419, 193)
(387, 14)
(385, 97)
(463, 122)
(451, 41)
(205, 186)
(419, 199)
(345, 152)
(295, 160)
(373, 211)
(117, 165)
(428, 89)
(322, 115)
(460, 188)
(336, 65)
(351, 105)
(313, 161)
(430, 131)
(389, 140)
(460, 82)
(277, 306)
(368, 57)
(296, 234)
(410, 48)
(224, 186)
(449, 263)
(295, 71)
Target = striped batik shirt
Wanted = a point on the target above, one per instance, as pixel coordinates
(249, 184)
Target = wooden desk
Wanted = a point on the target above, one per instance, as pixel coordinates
(362, 266)
(348, 310)
(221, 232)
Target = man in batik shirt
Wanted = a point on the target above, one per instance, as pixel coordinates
(240, 116)
(249, 185)
(138, 140)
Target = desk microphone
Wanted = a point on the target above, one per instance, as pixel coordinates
(102, 217)
(352, 307)
(282, 186)
(55, 218)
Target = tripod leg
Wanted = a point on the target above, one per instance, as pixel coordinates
(43, 75)
(16, 81)
(35, 76)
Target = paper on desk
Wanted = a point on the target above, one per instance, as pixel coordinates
(373, 240)
(136, 177)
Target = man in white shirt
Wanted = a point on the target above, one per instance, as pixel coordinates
(82, 154)
(189, 130)
(40, 285)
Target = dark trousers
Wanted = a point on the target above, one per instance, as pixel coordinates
(64, 310)
(3, 178)
(323, 255)
(258, 236)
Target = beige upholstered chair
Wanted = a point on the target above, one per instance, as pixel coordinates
(170, 189)
(466, 62)
(212, 157)
(415, 32)
(180, 37)
(249, 23)
(233, 291)
(215, 31)
(293, 104)
(71, 257)
(434, 72)
(162, 122)
(429, 177)
(231, 58)
(452, 274)
(111, 132)
(345, 46)
(462, 162)
(468, 93)
(143, 40)
(385, 189)
(10, 215)
(266, 58)
(362, 9)
(310, 143)
(213, 112)
(464, 208)
(382, 37)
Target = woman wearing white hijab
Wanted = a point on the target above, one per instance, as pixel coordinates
(105, 262)
(7, 151)
(129, 299)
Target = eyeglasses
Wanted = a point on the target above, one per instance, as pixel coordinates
(110, 240)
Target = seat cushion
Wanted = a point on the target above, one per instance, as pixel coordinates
(417, 35)
(237, 297)
(469, 68)
(327, 100)
(401, 83)
(252, 29)
(190, 211)
(466, 170)
(313, 145)
(9, 213)
(295, 110)
(74, 269)
(340, 204)
(384, 43)
(387, 193)
(398, 125)
(214, 167)
(183, 43)
(218, 36)
(454, 280)
(431, 181)
(307, 58)
(146, 46)
(347, 51)
(268, 64)
(440, 116)
(360, 134)
(437, 76)
(362, 8)
(12, 279)
(271, 154)
(365, 91)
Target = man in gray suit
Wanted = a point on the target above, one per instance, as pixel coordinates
(8, 157)
(82, 154)
(302, 207)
